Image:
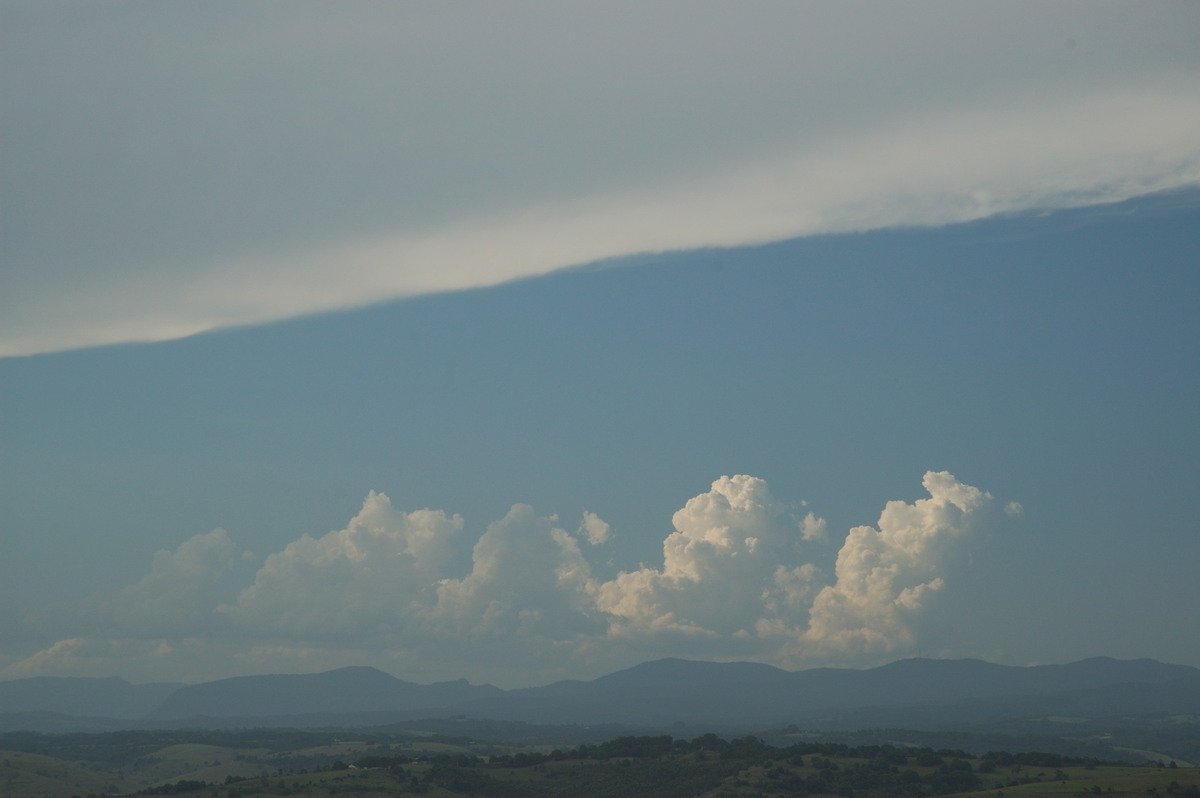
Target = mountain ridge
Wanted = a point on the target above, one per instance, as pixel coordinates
(346, 690)
(83, 696)
(652, 693)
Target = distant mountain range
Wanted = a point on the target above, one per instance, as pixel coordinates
(112, 697)
(913, 693)
(345, 691)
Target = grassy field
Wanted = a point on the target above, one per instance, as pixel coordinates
(25, 775)
(1114, 781)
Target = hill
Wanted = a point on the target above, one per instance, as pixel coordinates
(742, 694)
(1094, 706)
(112, 697)
(345, 691)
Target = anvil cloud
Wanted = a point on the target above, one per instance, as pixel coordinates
(170, 169)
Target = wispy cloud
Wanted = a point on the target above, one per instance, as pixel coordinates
(323, 163)
(737, 579)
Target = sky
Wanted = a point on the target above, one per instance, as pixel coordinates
(520, 342)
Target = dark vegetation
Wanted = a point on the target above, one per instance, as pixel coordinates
(286, 762)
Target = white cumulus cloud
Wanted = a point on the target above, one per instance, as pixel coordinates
(814, 528)
(721, 566)
(181, 591)
(737, 578)
(375, 573)
(528, 577)
(594, 529)
(885, 573)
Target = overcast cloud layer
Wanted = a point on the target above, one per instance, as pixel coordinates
(173, 168)
(736, 581)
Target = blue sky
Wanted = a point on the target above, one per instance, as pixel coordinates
(532, 345)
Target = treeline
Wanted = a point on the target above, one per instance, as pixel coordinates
(663, 765)
(753, 749)
(652, 766)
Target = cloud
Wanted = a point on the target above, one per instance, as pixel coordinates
(721, 567)
(737, 579)
(951, 169)
(595, 530)
(408, 152)
(75, 655)
(137, 659)
(528, 578)
(181, 591)
(373, 574)
(814, 528)
(884, 574)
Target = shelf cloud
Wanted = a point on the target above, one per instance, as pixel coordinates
(192, 167)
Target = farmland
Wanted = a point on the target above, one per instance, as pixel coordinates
(316, 764)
